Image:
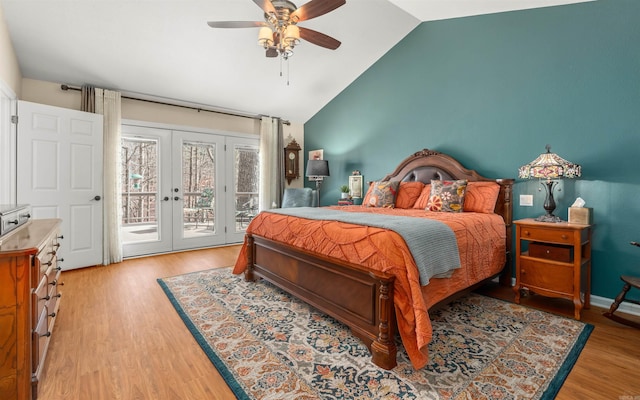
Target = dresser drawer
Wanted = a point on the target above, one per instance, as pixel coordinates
(40, 340)
(550, 251)
(552, 277)
(546, 235)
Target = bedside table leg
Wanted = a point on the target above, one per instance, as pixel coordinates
(577, 308)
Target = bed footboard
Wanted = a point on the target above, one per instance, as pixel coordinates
(361, 299)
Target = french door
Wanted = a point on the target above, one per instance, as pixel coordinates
(180, 191)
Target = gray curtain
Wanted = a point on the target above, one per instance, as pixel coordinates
(88, 98)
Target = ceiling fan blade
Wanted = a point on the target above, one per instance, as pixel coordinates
(319, 39)
(266, 6)
(315, 8)
(236, 24)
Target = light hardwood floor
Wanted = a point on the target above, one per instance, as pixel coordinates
(118, 337)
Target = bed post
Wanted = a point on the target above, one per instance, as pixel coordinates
(507, 215)
(383, 349)
(248, 273)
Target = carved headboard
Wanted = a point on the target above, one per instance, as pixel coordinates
(426, 165)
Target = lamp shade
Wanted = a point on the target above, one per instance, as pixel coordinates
(265, 37)
(549, 166)
(291, 35)
(318, 168)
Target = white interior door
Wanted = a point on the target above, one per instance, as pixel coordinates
(8, 108)
(59, 172)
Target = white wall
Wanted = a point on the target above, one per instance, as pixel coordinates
(9, 69)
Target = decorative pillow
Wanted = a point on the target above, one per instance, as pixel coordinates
(423, 199)
(447, 195)
(408, 193)
(367, 196)
(383, 194)
(481, 197)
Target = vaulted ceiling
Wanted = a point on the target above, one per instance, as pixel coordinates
(165, 49)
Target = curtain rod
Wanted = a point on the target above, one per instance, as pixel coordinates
(198, 109)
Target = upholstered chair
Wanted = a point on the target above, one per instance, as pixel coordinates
(298, 197)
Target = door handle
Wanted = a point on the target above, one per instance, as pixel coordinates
(97, 198)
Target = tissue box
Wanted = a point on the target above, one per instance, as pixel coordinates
(581, 215)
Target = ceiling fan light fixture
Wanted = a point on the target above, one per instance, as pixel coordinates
(265, 37)
(279, 32)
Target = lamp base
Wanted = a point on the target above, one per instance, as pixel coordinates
(549, 218)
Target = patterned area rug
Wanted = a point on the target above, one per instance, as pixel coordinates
(268, 345)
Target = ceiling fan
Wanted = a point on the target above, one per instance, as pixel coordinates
(279, 32)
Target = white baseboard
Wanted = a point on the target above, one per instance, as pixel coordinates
(603, 302)
(628, 308)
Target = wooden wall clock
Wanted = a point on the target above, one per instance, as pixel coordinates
(292, 161)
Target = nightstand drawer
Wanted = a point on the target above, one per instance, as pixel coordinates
(549, 251)
(556, 278)
(546, 235)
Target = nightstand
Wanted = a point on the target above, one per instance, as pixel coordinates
(556, 261)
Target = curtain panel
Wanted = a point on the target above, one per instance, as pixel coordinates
(107, 103)
(271, 163)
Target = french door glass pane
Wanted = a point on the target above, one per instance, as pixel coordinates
(139, 190)
(246, 175)
(198, 188)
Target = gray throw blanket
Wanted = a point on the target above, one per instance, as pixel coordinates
(432, 243)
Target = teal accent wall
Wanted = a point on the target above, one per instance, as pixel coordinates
(492, 91)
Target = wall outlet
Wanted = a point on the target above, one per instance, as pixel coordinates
(526, 200)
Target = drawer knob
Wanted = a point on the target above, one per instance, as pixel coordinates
(58, 295)
(52, 314)
(53, 283)
(45, 334)
(61, 237)
(527, 233)
(564, 236)
(45, 298)
(48, 264)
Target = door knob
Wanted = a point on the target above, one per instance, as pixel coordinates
(97, 198)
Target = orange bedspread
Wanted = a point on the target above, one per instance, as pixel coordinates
(481, 241)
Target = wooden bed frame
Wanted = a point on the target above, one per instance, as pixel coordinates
(358, 297)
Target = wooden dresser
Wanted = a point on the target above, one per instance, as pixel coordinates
(29, 301)
(556, 262)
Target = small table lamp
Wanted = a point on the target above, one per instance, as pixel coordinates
(549, 166)
(317, 170)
